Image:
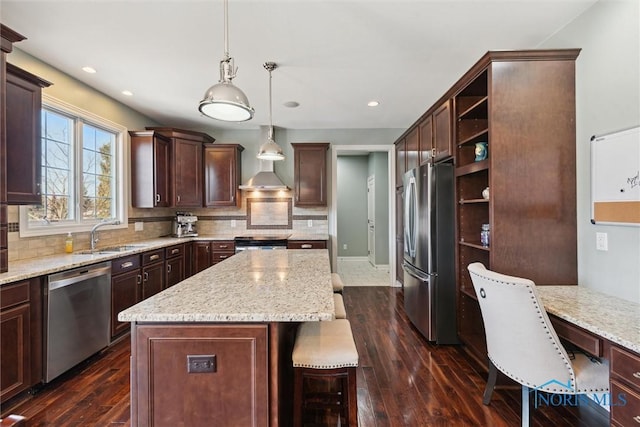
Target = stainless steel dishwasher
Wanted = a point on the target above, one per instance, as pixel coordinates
(77, 316)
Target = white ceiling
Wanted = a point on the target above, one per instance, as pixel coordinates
(333, 56)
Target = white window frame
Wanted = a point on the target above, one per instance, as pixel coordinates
(121, 196)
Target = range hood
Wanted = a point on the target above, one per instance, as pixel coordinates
(265, 179)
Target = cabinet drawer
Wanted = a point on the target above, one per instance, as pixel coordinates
(174, 251)
(218, 256)
(625, 408)
(125, 264)
(626, 366)
(307, 244)
(152, 256)
(578, 337)
(223, 245)
(14, 294)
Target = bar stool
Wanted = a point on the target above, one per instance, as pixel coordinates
(336, 281)
(338, 302)
(326, 351)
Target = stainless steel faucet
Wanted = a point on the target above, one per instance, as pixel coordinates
(93, 238)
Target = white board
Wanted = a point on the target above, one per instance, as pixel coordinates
(615, 178)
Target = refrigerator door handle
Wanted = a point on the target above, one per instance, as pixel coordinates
(410, 217)
(413, 272)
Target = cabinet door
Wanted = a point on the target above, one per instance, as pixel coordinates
(310, 174)
(175, 271)
(167, 389)
(401, 161)
(153, 279)
(412, 149)
(14, 351)
(187, 173)
(150, 170)
(24, 102)
(201, 256)
(221, 175)
(426, 139)
(125, 292)
(442, 132)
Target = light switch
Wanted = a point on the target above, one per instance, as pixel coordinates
(233, 223)
(138, 226)
(310, 223)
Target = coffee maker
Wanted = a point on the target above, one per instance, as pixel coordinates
(185, 225)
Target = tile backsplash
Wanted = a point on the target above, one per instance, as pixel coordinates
(259, 213)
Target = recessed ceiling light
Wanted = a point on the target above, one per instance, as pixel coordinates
(89, 70)
(127, 93)
(291, 104)
(373, 103)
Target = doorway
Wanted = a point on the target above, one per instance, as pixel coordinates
(371, 219)
(341, 150)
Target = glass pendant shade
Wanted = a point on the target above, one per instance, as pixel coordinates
(270, 151)
(225, 101)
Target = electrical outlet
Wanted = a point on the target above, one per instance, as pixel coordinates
(138, 226)
(233, 223)
(310, 223)
(602, 242)
(344, 246)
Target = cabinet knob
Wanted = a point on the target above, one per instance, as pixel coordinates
(139, 278)
(146, 276)
(154, 257)
(224, 246)
(224, 256)
(306, 246)
(174, 251)
(637, 419)
(168, 268)
(636, 375)
(157, 197)
(126, 264)
(178, 197)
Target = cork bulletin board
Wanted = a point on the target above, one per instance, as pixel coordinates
(615, 178)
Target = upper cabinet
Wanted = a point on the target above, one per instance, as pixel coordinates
(310, 173)
(412, 147)
(442, 147)
(401, 160)
(150, 166)
(24, 159)
(222, 174)
(186, 165)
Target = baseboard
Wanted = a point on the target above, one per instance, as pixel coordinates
(353, 258)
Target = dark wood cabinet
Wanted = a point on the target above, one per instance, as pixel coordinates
(186, 173)
(624, 376)
(307, 244)
(20, 337)
(442, 147)
(150, 169)
(8, 38)
(201, 256)
(426, 139)
(310, 174)
(401, 160)
(126, 289)
(528, 229)
(222, 174)
(24, 158)
(412, 149)
(153, 273)
(221, 250)
(166, 386)
(175, 265)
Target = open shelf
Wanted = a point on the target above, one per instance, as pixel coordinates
(477, 110)
(473, 167)
(481, 135)
(472, 201)
(475, 245)
(469, 292)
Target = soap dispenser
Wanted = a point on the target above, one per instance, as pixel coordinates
(68, 243)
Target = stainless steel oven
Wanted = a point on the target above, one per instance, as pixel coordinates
(264, 243)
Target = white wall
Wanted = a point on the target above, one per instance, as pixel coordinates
(607, 100)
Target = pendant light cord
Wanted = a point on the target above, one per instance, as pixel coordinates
(226, 29)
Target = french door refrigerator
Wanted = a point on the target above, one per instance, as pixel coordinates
(429, 242)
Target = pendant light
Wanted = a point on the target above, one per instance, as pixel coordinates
(270, 150)
(224, 101)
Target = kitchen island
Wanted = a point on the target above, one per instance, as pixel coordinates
(215, 349)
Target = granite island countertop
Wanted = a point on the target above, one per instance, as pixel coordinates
(252, 286)
(610, 317)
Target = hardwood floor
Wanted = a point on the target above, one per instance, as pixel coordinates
(402, 381)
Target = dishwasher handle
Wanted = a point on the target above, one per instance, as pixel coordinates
(76, 276)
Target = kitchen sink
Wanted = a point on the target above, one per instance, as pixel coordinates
(111, 249)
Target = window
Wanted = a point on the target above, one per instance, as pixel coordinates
(82, 172)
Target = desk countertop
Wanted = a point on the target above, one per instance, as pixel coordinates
(252, 286)
(613, 318)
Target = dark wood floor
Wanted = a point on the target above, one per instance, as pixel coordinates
(402, 380)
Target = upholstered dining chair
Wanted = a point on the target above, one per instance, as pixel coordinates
(522, 344)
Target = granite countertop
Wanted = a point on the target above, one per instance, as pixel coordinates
(252, 286)
(613, 318)
(34, 267)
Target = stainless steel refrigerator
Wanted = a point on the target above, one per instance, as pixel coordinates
(429, 242)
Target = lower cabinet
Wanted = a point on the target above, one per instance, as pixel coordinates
(153, 276)
(307, 244)
(624, 387)
(208, 253)
(126, 290)
(175, 265)
(200, 375)
(221, 250)
(20, 337)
